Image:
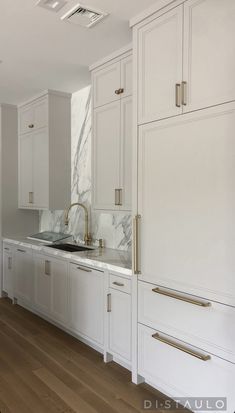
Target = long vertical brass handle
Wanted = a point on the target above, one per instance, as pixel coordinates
(184, 93)
(109, 303)
(164, 340)
(47, 268)
(118, 197)
(30, 197)
(178, 95)
(136, 244)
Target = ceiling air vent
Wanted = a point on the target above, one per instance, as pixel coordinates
(83, 16)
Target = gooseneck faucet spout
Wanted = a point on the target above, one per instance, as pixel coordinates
(87, 235)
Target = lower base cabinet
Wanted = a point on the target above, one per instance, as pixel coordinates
(177, 373)
(119, 324)
(8, 271)
(86, 302)
(51, 287)
(24, 275)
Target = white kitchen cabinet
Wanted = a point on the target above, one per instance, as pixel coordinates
(112, 81)
(186, 201)
(209, 58)
(33, 116)
(160, 66)
(51, 287)
(185, 59)
(59, 290)
(44, 152)
(112, 139)
(86, 302)
(185, 371)
(8, 270)
(106, 156)
(42, 284)
(119, 323)
(24, 275)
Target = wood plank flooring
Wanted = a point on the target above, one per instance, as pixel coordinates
(44, 370)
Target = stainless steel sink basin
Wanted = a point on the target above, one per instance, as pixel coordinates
(70, 247)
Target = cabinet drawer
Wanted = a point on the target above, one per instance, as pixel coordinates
(34, 116)
(120, 283)
(179, 374)
(8, 248)
(209, 327)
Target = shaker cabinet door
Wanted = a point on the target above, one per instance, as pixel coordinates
(26, 171)
(160, 67)
(209, 52)
(106, 82)
(106, 156)
(186, 200)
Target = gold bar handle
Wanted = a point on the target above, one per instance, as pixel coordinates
(136, 244)
(30, 197)
(178, 95)
(118, 197)
(47, 268)
(181, 298)
(184, 93)
(164, 340)
(84, 269)
(109, 303)
(118, 284)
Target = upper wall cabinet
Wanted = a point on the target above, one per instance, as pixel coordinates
(183, 64)
(160, 66)
(44, 152)
(112, 82)
(112, 134)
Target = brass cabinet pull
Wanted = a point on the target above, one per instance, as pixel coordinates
(19, 250)
(119, 91)
(181, 298)
(31, 126)
(118, 197)
(84, 269)
(184, 93)
(47, 268)
(30, 197)
(109, 303)
(118, 284)
(9, 263)
(6, 249)
(136, 244)
(178, 95)
(164, 340)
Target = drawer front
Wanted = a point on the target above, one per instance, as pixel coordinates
(209, 327)
(179, 374)
(8, 248)
(120, 283)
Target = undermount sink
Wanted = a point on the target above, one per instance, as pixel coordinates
(70, 247)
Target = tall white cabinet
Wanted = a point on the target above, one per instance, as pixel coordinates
(184, 151)
(44, 151)
(112, 132)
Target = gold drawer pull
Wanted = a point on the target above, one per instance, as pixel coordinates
(31, 126)
(181, 298)
(118, 284)
(199, 356)
(184, 93)
(84, 269)
(109, 303)
(136, 236)
(178, 95)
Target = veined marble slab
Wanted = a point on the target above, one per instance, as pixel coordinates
(100, 258)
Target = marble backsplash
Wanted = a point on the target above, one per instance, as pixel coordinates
(114, 228)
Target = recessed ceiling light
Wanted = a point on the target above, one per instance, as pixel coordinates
(53, 5)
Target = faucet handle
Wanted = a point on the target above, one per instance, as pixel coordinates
(101, 242)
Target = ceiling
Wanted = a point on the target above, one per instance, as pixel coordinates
(38, 51)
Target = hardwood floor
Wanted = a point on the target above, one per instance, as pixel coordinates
(44, 370)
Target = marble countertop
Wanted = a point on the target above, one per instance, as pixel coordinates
(105, 258)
